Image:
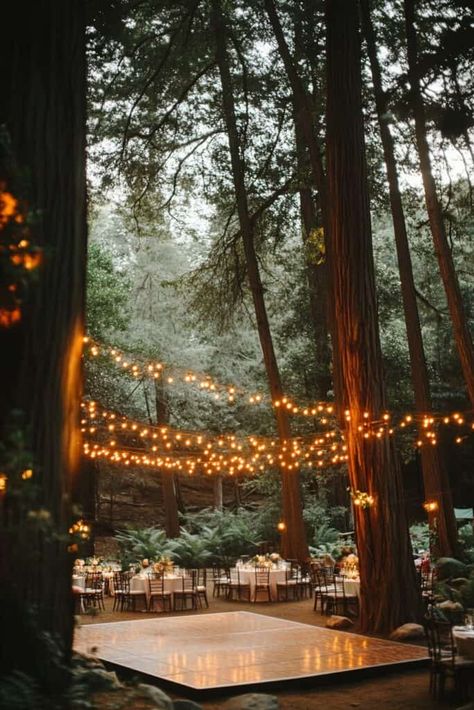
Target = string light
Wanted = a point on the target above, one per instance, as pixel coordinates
(17, 256)
(81, 529)
(371, 427)
(116, 438)
(361, 499)
(431, 506)
(190, 451)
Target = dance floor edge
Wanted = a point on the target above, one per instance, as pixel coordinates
(225, 651)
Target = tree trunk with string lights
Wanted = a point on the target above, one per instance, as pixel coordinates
(443, 253)
(43, 111)
(389, 595)
(293, 539)
(435, 479)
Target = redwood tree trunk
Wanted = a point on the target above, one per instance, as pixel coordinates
(218, 493)
(316, 273)
(462, 334)
(305, 125)
(436, 483)
(43, 110)
(389, 594)
(294, 543)
(168, 479)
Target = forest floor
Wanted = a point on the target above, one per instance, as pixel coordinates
(393, 690)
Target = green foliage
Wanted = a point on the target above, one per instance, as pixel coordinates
(227, 535)
(190, 550)
(324, 534)
(137, 544)
(19, 691)
(466, 540)
(108, 294)
(420, 536)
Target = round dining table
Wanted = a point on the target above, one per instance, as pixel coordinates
(171, 583)
(79, 581)
(247, 576)
(352, 586)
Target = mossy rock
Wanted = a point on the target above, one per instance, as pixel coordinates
(448, 568)
(407, 632)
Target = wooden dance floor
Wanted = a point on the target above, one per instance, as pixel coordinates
(224, 651)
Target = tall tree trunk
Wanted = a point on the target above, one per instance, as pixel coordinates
(435, 477)
(315, 273)
(84, 494)
(218, 493)
(43, 110)
(168, 482)
(294, 543)
(305, 125)
(389, 593)
(237, 493)
(462, 335)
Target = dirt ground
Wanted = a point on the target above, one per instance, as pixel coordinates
(391, 691)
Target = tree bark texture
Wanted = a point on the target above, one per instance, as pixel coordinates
(294, 543)
(305, 127)
(315, 273)
(435, 478)
(218, 493)
(43, 108)
(389, 594)
(168, 478)
(443, 253)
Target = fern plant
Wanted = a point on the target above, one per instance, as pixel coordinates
(137, 544)
(190, 550)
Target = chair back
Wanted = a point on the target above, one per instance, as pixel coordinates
(325, 580)
(201, 576)
(156, 584)
(262, 576)
(122, 582)
(188, 580)
(427, 580)
(94, 580)
(314, 568)
(439, 636)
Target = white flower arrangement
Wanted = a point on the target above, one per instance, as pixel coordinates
(264, 560)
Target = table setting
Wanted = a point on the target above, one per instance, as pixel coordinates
(275, 564)
(349, 571)
(464, 636)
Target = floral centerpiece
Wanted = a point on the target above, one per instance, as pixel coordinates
(93, 564)
(350, 566)
(268, 560)
(163, 566)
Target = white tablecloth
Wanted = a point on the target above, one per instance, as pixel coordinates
(247, 576)
(352, 586)
(172, 583)
(78, 581)
(464, 638)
